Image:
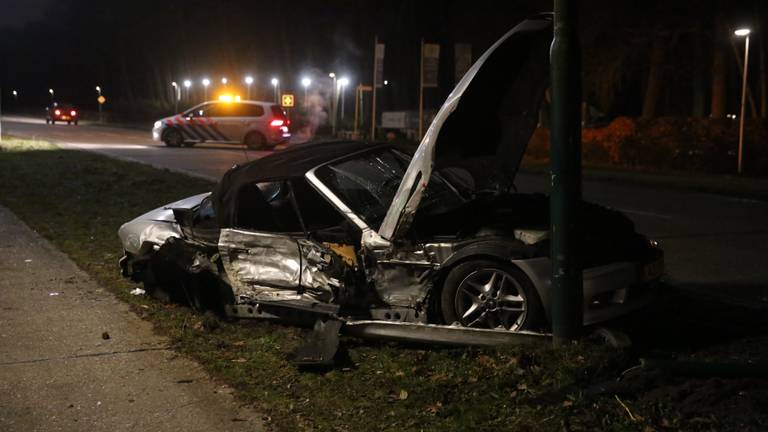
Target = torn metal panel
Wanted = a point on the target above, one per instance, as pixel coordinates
(140, 236)
(322, 271)
(402, 285)
(321, 345)
(440, 334)
(154, 227)
(259, 263)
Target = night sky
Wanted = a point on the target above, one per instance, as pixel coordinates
(133, 50)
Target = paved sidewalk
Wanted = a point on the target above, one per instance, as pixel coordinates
(57, 373)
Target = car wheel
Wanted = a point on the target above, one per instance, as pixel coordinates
(173, 138)
(255, 141)
(492, 295)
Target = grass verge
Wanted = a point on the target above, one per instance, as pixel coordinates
(78, 200)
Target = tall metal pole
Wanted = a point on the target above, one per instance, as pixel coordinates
(373, 102)
(357, 107)
(334, 103)
(743, 96)
(565, 202)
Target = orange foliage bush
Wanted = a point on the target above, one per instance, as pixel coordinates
(666, 143)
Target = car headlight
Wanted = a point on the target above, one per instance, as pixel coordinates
(158, 124)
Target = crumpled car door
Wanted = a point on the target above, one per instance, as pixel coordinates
(261, 266)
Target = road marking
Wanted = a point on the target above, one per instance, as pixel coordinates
(90, 146)
(644, 213)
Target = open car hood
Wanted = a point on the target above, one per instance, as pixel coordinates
(490, 115)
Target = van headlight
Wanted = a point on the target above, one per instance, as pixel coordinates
(158, 124)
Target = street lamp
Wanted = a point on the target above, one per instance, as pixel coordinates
(176, 96)
(98, 91)
(224, 81)
(745, 33)
(343, 83)
(187, 85)
(50, 91)
(334, 99)
(248, 82)
(15, 95)
(305, 82)
(276, 85)
(206, 83)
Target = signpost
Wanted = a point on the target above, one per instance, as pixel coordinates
(378, 80)
(430, 59)
(287, 100)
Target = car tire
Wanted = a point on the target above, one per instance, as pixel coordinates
(173, 138)
(492, 295)
(255, 141)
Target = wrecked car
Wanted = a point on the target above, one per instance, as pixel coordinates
(436, 238)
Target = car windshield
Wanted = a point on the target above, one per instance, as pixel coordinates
(367, 184)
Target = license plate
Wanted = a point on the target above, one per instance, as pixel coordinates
(653, 270)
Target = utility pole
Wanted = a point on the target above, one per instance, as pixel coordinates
(375, 83)
(565, 202)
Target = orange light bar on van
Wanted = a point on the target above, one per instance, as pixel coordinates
(229, 98)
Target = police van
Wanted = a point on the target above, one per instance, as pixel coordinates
(258, 125)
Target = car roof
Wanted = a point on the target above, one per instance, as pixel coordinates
(293, 162)
(297, 159)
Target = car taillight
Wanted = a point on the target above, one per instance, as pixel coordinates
(57, 112)
(73, 113)
(277, 123)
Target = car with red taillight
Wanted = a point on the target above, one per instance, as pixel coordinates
(61, 113)
(259, 125)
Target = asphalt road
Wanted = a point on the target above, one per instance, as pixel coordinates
(716, 245)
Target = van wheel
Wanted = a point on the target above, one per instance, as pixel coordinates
(491, 295)
(255, 141)
(173, 138)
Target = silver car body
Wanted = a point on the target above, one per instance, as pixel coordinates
(294, 271)
(225, 121)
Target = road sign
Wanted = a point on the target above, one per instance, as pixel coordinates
(287, 100)
(101, 99)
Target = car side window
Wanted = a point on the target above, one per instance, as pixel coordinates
(316, 211)
(214, 110)
(267, 206)
(248, 110)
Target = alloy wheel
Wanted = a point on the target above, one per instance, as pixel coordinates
(491, 298)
